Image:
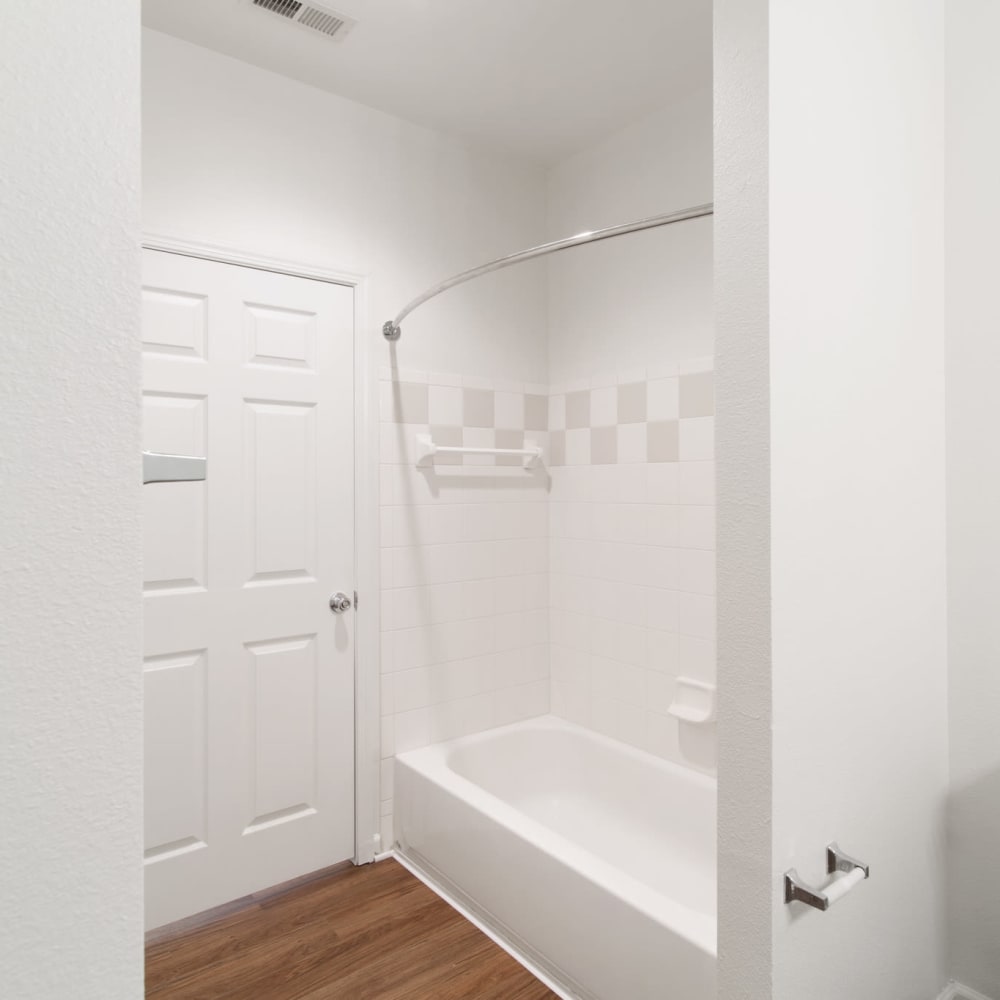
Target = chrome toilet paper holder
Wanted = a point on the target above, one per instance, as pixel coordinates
(822, 899)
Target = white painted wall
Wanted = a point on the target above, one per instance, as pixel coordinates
(646, 299)
(743, 533)
(973, 370)
(239, 156)
(829, 174)
(859, 683)
(70, 695)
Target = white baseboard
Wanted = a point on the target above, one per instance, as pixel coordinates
(956, 991)
(560, 989)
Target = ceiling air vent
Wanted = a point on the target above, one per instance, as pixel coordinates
(313, 16)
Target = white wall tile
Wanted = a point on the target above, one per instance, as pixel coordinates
(386, 782)
(663, 482)
(664, 524)
(386, 529)
(572, 701)
(696, 527)
(661, 568)
(387, 703)
(696, 657)
(661, 736)
(521, 702)
(661, 609)
(696, 484)
(696, 615)
(663, 652)
(696, 571)
(660, 687)
(412, 729)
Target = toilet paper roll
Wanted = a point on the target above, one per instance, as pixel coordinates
(843, 884)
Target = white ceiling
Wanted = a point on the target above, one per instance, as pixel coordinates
(534, 78)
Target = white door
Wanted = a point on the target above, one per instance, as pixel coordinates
(249, 675)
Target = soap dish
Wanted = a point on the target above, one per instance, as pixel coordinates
(694, 701)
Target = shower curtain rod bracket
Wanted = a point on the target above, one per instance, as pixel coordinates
(391, 328)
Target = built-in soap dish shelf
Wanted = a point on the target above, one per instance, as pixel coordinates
(694, 701)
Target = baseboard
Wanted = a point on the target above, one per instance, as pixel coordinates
(458, 901)
(956, 991)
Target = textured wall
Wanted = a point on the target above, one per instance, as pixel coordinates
(742, 456)
(70, 697)
(973, 315)
(859, 674)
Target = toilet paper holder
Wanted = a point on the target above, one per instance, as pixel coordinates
(822, 899)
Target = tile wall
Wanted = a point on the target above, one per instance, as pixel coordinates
(584, 587)
(465, 585)
(632, 553)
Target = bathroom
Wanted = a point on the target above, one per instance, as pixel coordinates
(702, 590)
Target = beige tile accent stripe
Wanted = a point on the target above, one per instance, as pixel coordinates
(667, 417)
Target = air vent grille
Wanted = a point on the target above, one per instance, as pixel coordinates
(329, 24)
(314, 16)
(286, 8)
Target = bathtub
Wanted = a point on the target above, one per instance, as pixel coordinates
(592, 860)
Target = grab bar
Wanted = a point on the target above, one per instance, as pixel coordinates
(427, 449)
(822, 899)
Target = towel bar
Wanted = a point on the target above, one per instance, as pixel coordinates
(427, 449)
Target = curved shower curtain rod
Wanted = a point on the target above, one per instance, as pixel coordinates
(391, 329)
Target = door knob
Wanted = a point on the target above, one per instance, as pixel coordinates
(340, 603)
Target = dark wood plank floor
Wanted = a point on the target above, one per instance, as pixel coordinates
(368, 933)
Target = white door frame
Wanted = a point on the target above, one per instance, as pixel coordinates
(367, 735)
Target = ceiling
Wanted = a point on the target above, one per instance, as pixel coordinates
(539, 79)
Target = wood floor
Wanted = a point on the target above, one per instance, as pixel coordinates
(368, 933)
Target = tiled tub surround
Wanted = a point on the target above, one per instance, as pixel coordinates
(632, 554)
(464, 565)
(584, 587)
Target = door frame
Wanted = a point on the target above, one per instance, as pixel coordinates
(367, 721)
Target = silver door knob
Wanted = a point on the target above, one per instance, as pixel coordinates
(340, 603)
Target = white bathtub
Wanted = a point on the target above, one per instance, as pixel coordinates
(594, 860)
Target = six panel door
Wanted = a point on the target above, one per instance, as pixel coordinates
(249, 676)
